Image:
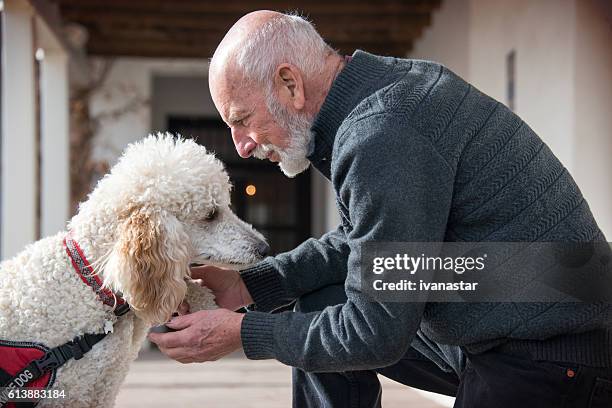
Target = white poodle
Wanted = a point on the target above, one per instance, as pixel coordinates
(164, 206)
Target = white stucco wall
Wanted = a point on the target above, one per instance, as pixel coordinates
(593, 106)
(541, 33)
(446, 40)
(563, 75)
(54, 143)
(180, 95)
(131, 79)
(23, 32)
(18, 216)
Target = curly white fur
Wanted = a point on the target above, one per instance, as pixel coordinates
(163, 206)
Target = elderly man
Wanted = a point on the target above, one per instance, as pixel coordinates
(415, 154)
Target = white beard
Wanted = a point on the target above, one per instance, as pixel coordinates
(293, 158)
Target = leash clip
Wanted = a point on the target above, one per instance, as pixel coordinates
(51, 360)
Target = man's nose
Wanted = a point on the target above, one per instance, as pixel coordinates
(243, 143)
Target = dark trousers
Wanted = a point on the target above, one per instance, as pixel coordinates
(488, 380)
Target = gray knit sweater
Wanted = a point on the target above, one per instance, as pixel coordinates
(415, 154)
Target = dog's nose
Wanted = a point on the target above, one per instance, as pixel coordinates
(263, 249)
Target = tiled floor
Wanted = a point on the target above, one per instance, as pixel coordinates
(155, 381)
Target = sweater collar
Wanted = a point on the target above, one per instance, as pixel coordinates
(348, 89)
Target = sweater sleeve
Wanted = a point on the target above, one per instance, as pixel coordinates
(316, 263)
(396, 188)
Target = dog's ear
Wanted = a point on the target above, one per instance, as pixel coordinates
(149, 262)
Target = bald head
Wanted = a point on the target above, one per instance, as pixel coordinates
(260, 41)
(235, 38)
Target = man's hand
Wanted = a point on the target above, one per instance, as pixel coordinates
(206, 335)
(226, 284)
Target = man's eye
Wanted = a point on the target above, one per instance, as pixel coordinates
(211, 215)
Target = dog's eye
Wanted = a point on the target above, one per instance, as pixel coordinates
(211, 215)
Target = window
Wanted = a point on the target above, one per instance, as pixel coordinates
(511, 79)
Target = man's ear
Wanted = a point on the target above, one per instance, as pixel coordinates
(290, 86)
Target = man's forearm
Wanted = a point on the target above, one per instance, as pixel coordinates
(338, 338)
(312, 265)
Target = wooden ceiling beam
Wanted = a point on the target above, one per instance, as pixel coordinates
(224, 22)
(338, 34)
(241, 7)
(159, 49)
(193, 28)
(206, 49)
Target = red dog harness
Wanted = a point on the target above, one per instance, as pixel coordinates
(33, 365)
